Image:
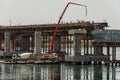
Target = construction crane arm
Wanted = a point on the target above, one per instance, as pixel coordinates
(57, 26)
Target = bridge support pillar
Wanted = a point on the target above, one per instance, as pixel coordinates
(25, 43)
(114, 53)
(38, 39)
(7, 36)
(98, 50)
(32, 43)
(108, 52)
(63, 38)
(57, 44)
(77, 44)
(0, 42)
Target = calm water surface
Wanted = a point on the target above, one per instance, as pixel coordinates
(58, 72)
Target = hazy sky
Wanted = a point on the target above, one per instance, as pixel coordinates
(48, 11)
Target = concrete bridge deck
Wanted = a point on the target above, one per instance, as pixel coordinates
(51, 27)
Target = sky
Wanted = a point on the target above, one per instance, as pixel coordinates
(26, 12)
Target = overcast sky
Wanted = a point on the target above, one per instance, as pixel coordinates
(48, 11)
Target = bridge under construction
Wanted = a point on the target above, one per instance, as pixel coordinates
(82, 42)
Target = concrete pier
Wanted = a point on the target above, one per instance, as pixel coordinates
(113, 53)
(38, 39)
(7, 41)
(0, 42)
(25, 43)
(57, 44)
(77, 44)
(98, 50)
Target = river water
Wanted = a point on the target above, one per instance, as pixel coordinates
(58, 72)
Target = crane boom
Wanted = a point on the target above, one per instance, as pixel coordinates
(57, 26)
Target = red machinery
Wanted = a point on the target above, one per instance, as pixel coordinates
(57, 26)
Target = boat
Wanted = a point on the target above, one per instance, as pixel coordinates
(28, 58)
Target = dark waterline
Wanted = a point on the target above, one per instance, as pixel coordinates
(58, 72)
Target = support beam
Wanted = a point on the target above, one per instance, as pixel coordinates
(38, 39)
(7, 41)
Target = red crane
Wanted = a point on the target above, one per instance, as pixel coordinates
(57, 26)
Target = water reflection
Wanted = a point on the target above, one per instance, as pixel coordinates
(58, 72)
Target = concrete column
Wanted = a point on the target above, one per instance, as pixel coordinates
(70, 45)
(84, 46)
(12, 43)
(43, 44)
(25, 43)
(113, 53)
(7, 41)
(91, 46)
(98, 50)
(64, 44)
(57, 44)
(95, 50)
(46, 42)
(108, 50)
(87, 46)
(77, 44)
(67, 46)
(0, 42)
(38, 39)
(49, 39)
(32, 43)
